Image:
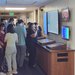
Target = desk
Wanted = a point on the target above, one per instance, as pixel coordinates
(55, 62)
(45, 41)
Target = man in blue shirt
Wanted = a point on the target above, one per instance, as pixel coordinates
(21, 46)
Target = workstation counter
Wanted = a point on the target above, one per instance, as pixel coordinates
(56, 60)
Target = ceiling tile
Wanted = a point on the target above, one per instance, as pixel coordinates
(26, 2)
(3, 1)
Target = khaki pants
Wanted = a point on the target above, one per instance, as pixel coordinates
(10, 55)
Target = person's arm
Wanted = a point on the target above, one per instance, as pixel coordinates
(5, 40)
(1, 43)
(25, 32)
(34, 34)
(16, 38)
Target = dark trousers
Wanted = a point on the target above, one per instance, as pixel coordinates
(1, 57)
(27, 46)
(32, 56)
(21, 51)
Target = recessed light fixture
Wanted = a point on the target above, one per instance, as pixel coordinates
(7, 8)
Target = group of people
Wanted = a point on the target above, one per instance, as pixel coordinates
(15, 40)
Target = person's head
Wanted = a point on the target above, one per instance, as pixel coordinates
(39, 28)
(35, 23)
(1, 26)
(20, 21)
(10, 28)
(33, 26)
(30, 25)
(11, 20)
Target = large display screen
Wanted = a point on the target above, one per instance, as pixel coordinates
(65, 32)
(53, 22)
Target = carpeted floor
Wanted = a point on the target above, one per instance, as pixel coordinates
(26, 70)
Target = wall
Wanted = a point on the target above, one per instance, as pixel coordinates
(30, 17)
(27, 17)
(60, 4)
(22, 16)
(40, 17)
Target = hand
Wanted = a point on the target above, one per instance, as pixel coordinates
(1, 43)
(0, 46)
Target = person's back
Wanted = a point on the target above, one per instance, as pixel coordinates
(21, 34)
(11, 39)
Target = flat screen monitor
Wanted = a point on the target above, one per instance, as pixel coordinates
(53, 24)
(65, 32)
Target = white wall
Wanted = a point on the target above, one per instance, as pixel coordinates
(30, 17)
(27, 17)
(60, 4)
(22, 16)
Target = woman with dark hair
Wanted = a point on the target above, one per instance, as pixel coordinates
(31, 36)
(11, 39)
(27, 41)
(10, 29)
(10, 21)
(39, 30)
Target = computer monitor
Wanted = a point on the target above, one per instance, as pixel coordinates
(65, 32)
(53, 22)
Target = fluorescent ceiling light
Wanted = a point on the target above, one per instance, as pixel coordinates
(15, 8)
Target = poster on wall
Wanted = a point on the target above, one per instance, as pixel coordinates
(65, 14)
